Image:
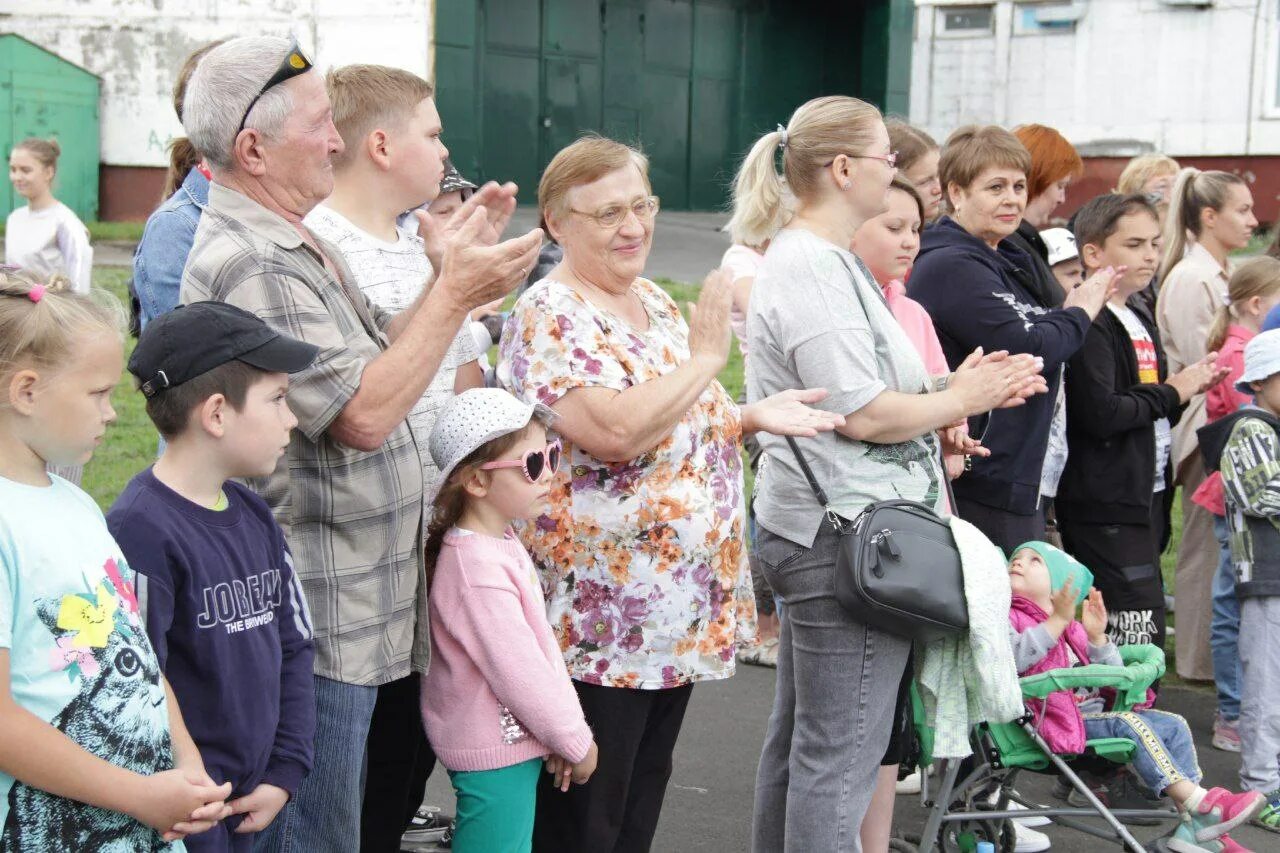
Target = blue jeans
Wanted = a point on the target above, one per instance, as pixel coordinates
(1165, 754)
(324, 814)
(1224, 629)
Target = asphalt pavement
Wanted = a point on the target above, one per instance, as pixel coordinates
(709, 799)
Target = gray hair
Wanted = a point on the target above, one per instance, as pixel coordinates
(221, 88)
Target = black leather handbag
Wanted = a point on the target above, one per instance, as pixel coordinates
(897, 566)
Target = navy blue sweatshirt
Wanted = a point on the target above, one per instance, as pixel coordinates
(977, 297)
(230, 627)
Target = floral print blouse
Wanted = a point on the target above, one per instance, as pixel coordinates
(643, 562)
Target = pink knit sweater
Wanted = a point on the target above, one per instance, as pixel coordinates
(497, 692)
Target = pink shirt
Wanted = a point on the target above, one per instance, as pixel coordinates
(915, 321)
(740, 261)
(497, 692)
(1219, 401)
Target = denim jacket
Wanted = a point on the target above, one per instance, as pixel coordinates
(166, 241)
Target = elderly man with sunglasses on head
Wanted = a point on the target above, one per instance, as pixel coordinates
(349, 491)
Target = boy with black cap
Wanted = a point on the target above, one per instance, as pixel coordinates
(215, 579)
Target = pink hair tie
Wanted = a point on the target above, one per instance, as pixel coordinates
(36, 293)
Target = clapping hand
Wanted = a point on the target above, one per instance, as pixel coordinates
(1197, 378)
(1095, 291)
(1064, 602)
(1094, 619)
(788, 413)
(498, 203)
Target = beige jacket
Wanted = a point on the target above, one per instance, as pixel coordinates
(1190, 296)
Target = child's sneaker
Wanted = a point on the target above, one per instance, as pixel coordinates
(1221, 811)
(1184, 839)
(1269, 817)
(1230, 845)
(1226, 733)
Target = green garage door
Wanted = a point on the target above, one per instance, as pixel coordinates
(691, 82)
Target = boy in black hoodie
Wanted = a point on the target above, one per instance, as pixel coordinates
(1113, 500)
(1246, 447)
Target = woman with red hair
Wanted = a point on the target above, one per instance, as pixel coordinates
(1054, 165)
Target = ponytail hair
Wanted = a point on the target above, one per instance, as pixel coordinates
(818, 132)
(451, 500)
(46, 151)
(183, 156)
(1259, 277)
(1193, 191)
(43, 321)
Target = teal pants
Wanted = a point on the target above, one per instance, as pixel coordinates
(495, 808)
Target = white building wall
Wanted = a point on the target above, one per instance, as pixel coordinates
(137, 47)
(1132, 74)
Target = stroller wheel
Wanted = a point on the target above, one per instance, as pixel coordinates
(963, 835)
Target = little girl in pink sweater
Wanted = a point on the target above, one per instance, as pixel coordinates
(497, 700)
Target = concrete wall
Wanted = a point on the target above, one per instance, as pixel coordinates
(137, 46)
(1131, 75)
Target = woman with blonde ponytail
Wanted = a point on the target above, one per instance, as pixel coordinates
(818, 319)
(1210, 215)
(166, 240)
(1253, 291)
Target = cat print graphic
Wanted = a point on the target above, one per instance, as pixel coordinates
(119, 714)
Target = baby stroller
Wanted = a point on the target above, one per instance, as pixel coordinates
(962, 811)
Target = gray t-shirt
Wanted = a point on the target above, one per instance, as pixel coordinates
(818, 321)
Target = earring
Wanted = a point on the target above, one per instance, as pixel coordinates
(846, 185)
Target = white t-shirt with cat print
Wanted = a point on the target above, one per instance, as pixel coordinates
(80, 660)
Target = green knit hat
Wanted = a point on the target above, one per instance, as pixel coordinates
(1062, 568)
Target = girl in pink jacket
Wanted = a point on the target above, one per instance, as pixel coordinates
(497, 701)
(1048, 585)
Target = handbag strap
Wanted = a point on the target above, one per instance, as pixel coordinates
(836, 521)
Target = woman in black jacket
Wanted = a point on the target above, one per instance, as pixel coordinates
(979, 292)
(1114, 497)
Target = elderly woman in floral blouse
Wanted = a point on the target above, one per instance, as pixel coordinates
(642, 546)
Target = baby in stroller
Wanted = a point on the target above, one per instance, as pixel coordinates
(1048, 585)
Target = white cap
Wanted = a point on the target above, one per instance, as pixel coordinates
(475, 417)
(1062, 245)
(1261, 360)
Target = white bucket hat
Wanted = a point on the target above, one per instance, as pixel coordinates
(475, 417)
(1061, 244)
(1261, 360)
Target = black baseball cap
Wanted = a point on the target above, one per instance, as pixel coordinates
(194, 339)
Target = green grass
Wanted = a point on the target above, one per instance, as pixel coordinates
(130, 444)
(127, 231)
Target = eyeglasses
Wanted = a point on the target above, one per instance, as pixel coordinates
(532, 463)
(613, 215)
(293, 64)
(891, 158)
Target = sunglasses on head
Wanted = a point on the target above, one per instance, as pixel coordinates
(532, 463)
(293, 64)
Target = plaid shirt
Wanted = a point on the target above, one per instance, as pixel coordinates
(353, 518)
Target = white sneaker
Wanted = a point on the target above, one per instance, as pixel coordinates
(1019, 807)
(910, 785)
(1028, 840)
